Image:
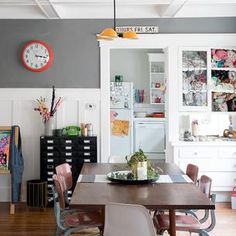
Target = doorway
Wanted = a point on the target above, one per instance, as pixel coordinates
(106, 50)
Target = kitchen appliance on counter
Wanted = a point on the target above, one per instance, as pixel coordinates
(150, 137)
(121, 116)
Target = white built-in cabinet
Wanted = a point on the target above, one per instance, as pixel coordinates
(214, 160)
(157, 78)
(207, 79)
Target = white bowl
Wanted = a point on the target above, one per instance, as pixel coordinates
(140, 114)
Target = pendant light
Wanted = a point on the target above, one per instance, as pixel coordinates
(110, 33)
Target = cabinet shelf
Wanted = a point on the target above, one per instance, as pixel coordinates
(157, 77)
(157, 73)
(195, 91)
(193, 68)
(156, 103)
(224, 69)
(160, 89)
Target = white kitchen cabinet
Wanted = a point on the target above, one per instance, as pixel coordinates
(157, 78)
(214, 160)
(150, 137)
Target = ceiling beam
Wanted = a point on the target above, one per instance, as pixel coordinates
(172, 9)
(48, 9)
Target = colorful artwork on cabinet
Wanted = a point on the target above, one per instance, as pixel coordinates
(223, 58)
(193, 98)
(194, 80)
(223, 102)
(194, 59)
(223, 80)
(4, 148)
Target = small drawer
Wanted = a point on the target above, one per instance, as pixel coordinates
(227, 152)
(50, 148)
(87, 141)
(198, 152)
(49, 140)
(87, 148)
(69, 154)
(50, 154)
(68, 148)
(68, 141)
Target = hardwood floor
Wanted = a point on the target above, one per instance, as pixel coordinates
(37, 222)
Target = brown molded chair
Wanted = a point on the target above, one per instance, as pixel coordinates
(74, 220)
(65, 171)
(192, 172)
(189, 222)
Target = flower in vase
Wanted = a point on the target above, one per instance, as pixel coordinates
(43, 109)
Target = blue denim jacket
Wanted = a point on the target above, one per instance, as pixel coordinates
(16, 165)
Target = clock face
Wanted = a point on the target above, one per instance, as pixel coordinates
(37, 56)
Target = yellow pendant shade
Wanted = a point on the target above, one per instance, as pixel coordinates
(130, 35)
(107, 33)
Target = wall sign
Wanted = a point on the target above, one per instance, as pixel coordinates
(138, 29)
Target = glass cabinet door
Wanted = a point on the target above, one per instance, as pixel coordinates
(194, 74)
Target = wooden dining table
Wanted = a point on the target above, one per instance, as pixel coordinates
(154, 196)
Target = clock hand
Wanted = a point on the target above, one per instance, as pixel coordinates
(39, 56)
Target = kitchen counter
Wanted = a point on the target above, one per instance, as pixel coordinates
(203, 143)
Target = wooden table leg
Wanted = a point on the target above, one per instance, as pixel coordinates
(172, 222)
(12, 209)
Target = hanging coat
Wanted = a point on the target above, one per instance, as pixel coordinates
(16, 165)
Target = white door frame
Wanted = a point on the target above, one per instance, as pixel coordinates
(145, 42)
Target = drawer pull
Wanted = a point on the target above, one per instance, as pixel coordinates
(50, 160)
(68, 154)
(50, 173)
(49, 154)
(234, 154)
(68, 160)
(86, 148)
(68, 148)
(86, 141)
(195, 153)
(86, 160)
(49, 179)
(87, 154)
(50, 167)
(68, 141)
(50, 148)
(50, 141)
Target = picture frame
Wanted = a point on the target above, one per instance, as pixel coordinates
(5, 141)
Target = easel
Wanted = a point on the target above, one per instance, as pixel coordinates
(7, 172)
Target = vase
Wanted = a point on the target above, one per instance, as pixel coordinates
(49, 127)
(195, 129)
(139, 170)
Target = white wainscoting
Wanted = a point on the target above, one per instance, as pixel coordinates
(17, 108)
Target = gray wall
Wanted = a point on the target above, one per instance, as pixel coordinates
(76, 51)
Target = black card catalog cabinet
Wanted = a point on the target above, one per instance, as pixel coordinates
(56, 150)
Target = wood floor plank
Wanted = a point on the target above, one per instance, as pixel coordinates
(37, 222)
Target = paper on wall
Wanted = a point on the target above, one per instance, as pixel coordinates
(120, 127)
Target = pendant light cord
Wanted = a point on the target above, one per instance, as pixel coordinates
(114, 5)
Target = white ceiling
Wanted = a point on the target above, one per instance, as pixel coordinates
(101, 9)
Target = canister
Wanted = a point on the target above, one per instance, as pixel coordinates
(90, 129)
(233, 198)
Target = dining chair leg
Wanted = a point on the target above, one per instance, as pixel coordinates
(172, 229)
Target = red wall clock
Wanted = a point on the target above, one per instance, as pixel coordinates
(37, 56)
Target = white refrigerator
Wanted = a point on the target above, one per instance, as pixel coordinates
(121, 117)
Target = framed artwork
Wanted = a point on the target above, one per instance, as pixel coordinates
(5, 139)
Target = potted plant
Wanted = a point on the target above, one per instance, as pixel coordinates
(141, 166)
